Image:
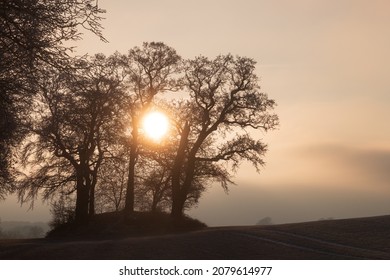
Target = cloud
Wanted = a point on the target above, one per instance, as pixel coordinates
(305, 183)
(368, 168)
(288, 202)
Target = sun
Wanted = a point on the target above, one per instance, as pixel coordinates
(155, 125)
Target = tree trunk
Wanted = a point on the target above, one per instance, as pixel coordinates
(92, 201)
(82, 202)
(178, 206)
(177, 203)
(181, 196)
(129, 202)
(154, 206)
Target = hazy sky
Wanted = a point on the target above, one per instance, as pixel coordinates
(325, 62)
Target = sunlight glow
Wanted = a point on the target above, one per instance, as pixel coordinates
(155, 125)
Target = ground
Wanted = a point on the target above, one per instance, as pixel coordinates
(361, 238)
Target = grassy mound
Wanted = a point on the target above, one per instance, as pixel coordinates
(114, 225)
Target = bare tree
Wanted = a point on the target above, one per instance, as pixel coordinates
(62, 210)
(76, 121)
(151, 70)
(111, 187)
(152, 192)
(224, 104)
(32, 36)
(154, 176)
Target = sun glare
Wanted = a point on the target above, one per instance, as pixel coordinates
(155, 125)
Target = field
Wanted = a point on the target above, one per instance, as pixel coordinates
(360, 238)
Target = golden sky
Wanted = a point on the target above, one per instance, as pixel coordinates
(325, 62)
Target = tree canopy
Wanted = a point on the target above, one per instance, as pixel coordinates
(151, 71)
(71, 126)
(224, 101)
(34, 34)
(75, 125)
(86, 147)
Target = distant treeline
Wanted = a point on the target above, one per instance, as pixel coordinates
(11, 230)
